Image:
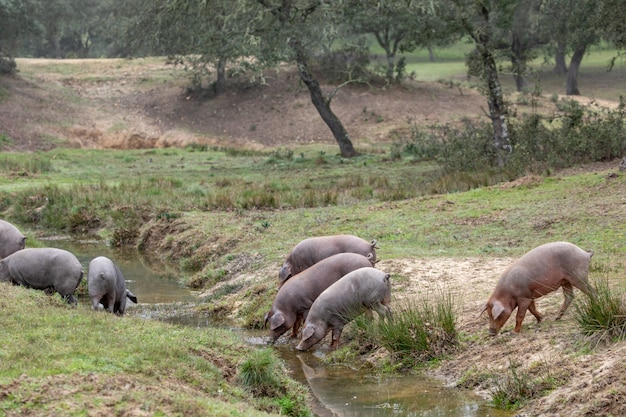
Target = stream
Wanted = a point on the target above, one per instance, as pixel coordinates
(339, 391)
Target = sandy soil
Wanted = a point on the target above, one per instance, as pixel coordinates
(121, 113)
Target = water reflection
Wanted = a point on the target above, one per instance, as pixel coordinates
(149, 280)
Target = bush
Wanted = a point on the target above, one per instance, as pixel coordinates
(539, 143)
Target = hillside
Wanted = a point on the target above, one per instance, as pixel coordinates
(142, 103)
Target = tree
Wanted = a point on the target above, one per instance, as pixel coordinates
(297, 23)
(575, 29)
(203, 36)
(397, 25)
(16, 22)
(477, 18)
(527, 33)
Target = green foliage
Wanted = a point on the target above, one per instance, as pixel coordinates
(602, 317)
(540, 143)
(416, 333)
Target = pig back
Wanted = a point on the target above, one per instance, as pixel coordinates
(42, 268)
(303, 288)
(544, 267)
(361, 288)
(11, 239)
(312, 250)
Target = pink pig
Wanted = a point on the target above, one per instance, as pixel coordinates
(537, 273)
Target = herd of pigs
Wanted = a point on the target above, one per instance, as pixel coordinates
(324, 283)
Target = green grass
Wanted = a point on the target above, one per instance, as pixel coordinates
(602, 317)
(45, 345)
(418, 332)
(594, 79)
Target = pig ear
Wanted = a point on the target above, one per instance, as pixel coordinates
(276, 321)
(308, 331)
(484, 308)
(497, 309)
(285, 272)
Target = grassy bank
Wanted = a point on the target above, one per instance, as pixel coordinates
(55, 360)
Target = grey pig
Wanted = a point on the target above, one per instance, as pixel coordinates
(312, 250)
(293, 300)
(107, 286)
(11, 239)
(360, 290)
(43, 269)
(540, 271)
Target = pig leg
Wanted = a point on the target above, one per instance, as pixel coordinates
(336, 337)
(533, 309)
(296, 327)
(522, 305)
(568, 292)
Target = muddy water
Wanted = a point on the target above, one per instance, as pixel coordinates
(339, 391)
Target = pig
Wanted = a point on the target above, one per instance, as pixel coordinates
(44, 269)
(11, 239)
(107, 286)
(540, 271)
(294, 298)
(312, 250)
(360, 290)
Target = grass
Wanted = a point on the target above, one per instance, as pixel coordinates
(594, 79)
(417, 333)
(602, 317)
(47, 346)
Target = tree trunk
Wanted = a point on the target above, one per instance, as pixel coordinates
(391, 65)
(560, 67)
(322, 104)
(431, 54)
(571, 86)
(220, 82)
(518, 62)
(495, 100)
(497, 110)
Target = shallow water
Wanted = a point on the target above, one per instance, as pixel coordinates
(150, 280)
(340, 391)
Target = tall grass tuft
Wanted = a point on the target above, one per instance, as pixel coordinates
(417, 332)
(260, 373)
(25, 164)
(602, 317)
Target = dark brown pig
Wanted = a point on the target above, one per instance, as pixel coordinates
(312, 250)
(295, 297)
(360, 290)
(537, 273)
